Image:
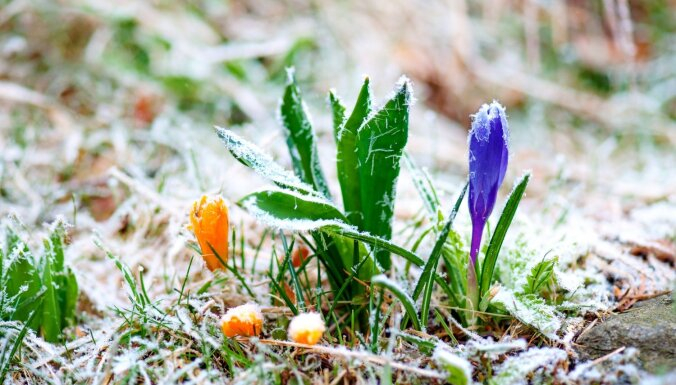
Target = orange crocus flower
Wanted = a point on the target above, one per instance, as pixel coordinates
(209, 223)
(245, 320)
(307, 328)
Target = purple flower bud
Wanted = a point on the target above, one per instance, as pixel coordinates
(488, 155)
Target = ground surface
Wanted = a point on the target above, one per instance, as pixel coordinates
(106, 120)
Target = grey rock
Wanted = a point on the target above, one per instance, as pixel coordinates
(649, 326)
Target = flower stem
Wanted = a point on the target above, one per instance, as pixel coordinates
(477, 232)
(472, 283)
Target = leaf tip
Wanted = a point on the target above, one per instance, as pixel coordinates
(290, 75)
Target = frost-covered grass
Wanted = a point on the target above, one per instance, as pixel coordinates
(106, 120)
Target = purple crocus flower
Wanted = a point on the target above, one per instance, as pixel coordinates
(488, 155)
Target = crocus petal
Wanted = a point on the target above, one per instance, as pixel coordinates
(307, 328)
(209, 223)
(488, 156)
(245, 320)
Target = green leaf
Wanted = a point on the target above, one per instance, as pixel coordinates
(66, 288)
(426, 280)
(54, 247)
(459, 369)
(347, 161)
(135, 297)
(338, 111)
(45, 288)
(539, 276)
(253, 157)
(380, 142)
(301, 139)
(69, 295)
(22, 285)
(13, 241)
(402, 296)
(292, 211)
(51, 315)
(498, 237)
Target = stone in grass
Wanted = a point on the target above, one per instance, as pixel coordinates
(649, 326)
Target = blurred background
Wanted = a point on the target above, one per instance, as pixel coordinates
(107, 108)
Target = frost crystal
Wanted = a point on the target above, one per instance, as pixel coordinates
(536, 362)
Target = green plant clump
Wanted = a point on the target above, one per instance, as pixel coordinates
(39, 290)
(352, 243)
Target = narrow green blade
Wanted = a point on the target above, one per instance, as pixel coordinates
(301, 139)
(488, 266)
(54, 246)
(338, 113)
(381, 141)
(51, 313)
(347, 161)
(426, 280)
(70, 293)
(402, 296)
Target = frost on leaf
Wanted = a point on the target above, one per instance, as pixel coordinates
(534, 366)
(459, 369)
(495, 348)
(253, 157)
(380, 144)
(289, 210)
(530, 310)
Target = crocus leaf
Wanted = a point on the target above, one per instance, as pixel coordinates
(338, 113)
(347, 161)
(22, 284)
(296, 212)
(488, 266)
(426, 280)
(41, 292)
(290, 210)
(66, 288)
(51, 313)
(69, 295)
(402, 296)
(293, 211)
(301, 139)
(253, 157)
(54, 247)
(381, 141)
